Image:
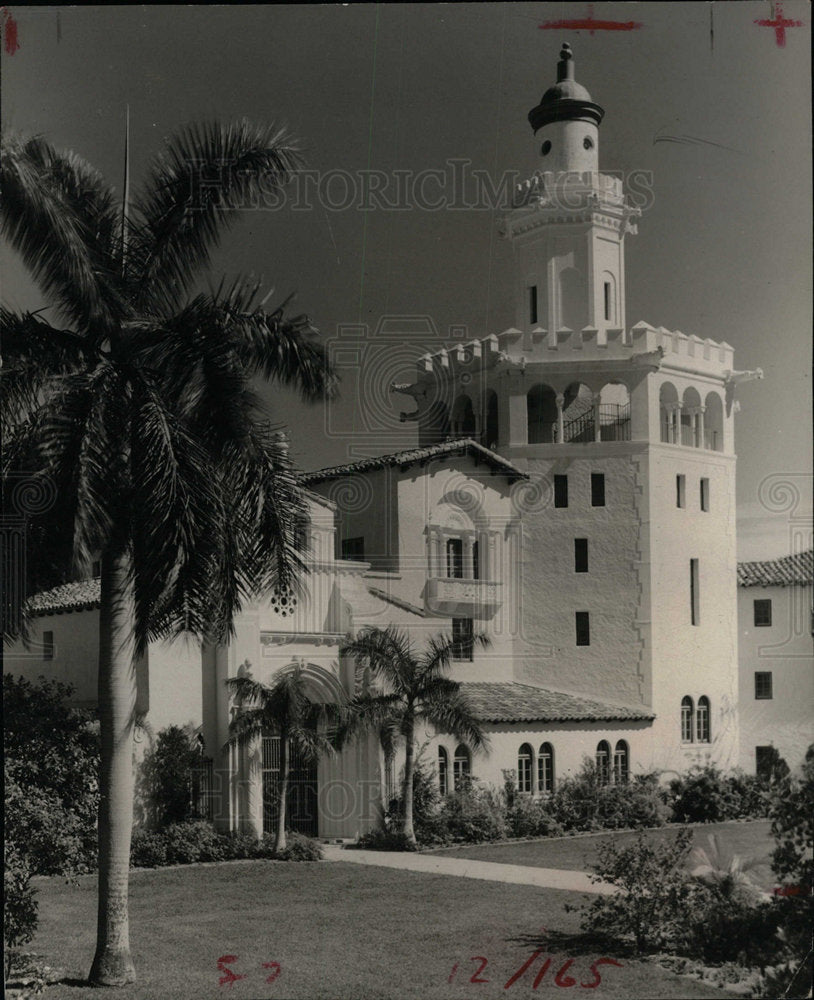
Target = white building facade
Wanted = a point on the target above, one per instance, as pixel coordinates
(572, 496)
(775, 624)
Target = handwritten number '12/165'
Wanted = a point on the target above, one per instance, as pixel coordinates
(561, 978)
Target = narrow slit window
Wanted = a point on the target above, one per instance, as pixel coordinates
(705, 494)
(560, 491)
(695, 603)
(607, 301)
(532, 304)
(580, 555)
(597, 489)
(583, 628)
(681, 485)
(47, 645)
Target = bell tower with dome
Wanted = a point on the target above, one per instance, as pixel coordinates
(625, 573)
(569, 221)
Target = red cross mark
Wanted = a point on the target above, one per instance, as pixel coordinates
(590, 24)
(779, 23)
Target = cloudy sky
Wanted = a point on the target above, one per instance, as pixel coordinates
(699, 97)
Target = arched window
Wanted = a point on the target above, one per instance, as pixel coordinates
(621, 763)
(490, 434)
(541, 410)
(545, 769)
(603, 762)
(686, 719)
(443, 771)
(668, 406)
(463, 417)
(524, 768)
(702, 720)
(461, 767)
(713, 422)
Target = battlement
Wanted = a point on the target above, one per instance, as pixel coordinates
(568, 190)
(514, 347)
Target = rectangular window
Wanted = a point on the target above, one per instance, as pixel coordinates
(580, 555)
(475, 562)
(695, 605)
(462, 634)
(455, 558)
(532, 304)
(607, 301)
(763, 613)
(47, 645)
(583, 628)
(597, 489)
(681, 485)
(764, 760)
(354, 548)
(705, 494)
(560, 491)
(763, 685)
(96, 568)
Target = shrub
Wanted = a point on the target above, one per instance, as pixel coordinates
(634, 805)
(51, 772)
(300, 848)
(473, 814)
(654, 889)
(148, 850)
(384, 840)
(528, 817)
(194, 840)
(19, 904)
(718, 929)
(703, 795)
(750, 795)
(165, 778)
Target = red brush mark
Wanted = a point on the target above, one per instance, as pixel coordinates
(277, 970)
(779, 23)
(591, 24)
(228, 978)
(10, 42)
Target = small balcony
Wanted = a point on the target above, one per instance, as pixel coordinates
(454, 597)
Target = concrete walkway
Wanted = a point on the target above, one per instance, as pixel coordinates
(489, 871)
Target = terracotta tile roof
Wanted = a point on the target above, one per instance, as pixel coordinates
(412, 455)
(784, 572)
(82, 595)
(510, 702)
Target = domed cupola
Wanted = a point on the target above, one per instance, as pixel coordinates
(566, 123)
(567, 99)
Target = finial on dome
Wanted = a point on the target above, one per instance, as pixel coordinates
(565, 67)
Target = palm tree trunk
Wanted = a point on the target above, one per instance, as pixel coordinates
(280, 841)
(112, 964)
(409, 770)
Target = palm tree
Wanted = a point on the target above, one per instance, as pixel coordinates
(135, 406)
(283, 708)
(415, 692)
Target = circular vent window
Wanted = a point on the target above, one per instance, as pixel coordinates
(588, 142)
(545, 149)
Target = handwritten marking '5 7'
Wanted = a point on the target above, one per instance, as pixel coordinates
(561, 977)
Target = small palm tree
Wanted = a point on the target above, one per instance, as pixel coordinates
(727, 875)
(282, 708)
(415, 692)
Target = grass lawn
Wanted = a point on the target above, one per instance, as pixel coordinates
(337, 931)
(751, 839)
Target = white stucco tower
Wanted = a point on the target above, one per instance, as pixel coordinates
(626, 579)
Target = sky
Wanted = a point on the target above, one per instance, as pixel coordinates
(699, 97)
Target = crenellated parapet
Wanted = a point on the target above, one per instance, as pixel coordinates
(515, 350)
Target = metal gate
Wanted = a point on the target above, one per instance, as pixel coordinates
(302, 794)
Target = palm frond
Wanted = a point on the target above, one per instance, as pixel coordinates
(58, 213)
(386, 652)
(35, 355)
(438, 654)
(452, 714)
(204, 177)
(367, 712)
